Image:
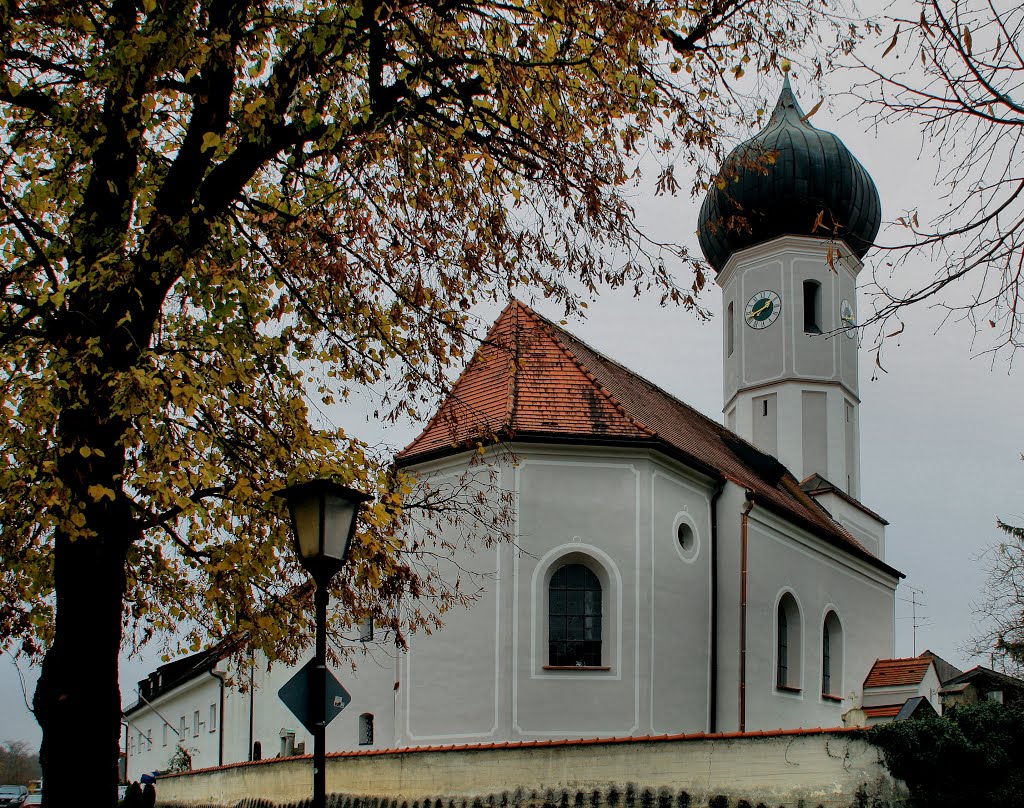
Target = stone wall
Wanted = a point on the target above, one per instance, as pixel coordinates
(798, 768)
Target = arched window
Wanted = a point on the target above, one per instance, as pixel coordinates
(366, 729)
(787, 644)
(257, 750)
(832, 656)
(812, 307)
(574, 617)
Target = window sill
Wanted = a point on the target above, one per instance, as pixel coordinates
(577, 668)
(830, 697)
(788, 689)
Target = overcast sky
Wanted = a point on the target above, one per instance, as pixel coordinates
(941, 432)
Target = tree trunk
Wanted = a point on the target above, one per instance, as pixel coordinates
(78, 698)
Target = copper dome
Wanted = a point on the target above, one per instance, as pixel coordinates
(813, 174)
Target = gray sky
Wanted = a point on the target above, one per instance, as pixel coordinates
(941, 431)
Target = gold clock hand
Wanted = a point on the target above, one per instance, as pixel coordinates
(757, 311)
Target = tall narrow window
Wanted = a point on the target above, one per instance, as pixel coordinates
(257, 751)
(213, 718)
(782, 668)
(787, 644)
(366, 629)
(166, 729)
(195, 724)
(812, 307)
(366, 729)
(574, 617)
(832, 656)
(826, 661)
(730, 326)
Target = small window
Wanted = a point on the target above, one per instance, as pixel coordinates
(257, 751)
(167, 729)
(574, 618)
(366, 629)
(213, 718)
(684, 535)
(832, 656)
(730, 329)
(812, 307)
(149, 739)
(366, 729)
(183, 730)
(195, 724)
(787, 644)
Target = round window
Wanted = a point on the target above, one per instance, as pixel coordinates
(687, 542)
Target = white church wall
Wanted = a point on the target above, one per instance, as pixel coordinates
(575, 506)
(451, 681)
(485, 675)
(680, 616)
(782, 558)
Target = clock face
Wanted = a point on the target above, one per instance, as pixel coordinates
(847, 320)
(763, 309)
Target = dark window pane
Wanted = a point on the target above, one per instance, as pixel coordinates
(574, 617)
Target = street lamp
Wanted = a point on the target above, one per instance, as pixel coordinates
(323, 517)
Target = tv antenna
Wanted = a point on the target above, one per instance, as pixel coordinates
(914, 603)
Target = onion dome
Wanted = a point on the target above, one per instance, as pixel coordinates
(781, 181)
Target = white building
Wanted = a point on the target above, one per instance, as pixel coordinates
(667, 574)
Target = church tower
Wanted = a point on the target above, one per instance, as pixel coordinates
(785, 228)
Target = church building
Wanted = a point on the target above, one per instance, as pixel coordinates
(667, 573)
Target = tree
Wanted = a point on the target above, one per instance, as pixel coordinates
(18, 765)
(1001, 609)
(955, 68)
(220, 216)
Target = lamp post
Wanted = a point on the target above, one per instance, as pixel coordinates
(323, 517)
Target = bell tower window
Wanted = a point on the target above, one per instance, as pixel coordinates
(812, 307)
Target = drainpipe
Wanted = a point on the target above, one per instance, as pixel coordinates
(713, 651)
(220, 677)
(748, 506)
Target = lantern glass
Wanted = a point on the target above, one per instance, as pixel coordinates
(306, 519)
(339, 519)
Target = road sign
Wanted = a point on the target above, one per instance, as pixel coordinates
(295, 695)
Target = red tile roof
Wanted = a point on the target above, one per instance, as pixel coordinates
(888, 711)
(531, 380)
(896, 672)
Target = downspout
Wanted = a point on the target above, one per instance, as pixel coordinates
(713, 650)
(747, 508)
(220, 726)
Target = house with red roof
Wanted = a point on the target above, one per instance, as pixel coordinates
(665, 572)
(893, 686)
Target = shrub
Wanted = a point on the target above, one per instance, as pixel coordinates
(972, 755)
